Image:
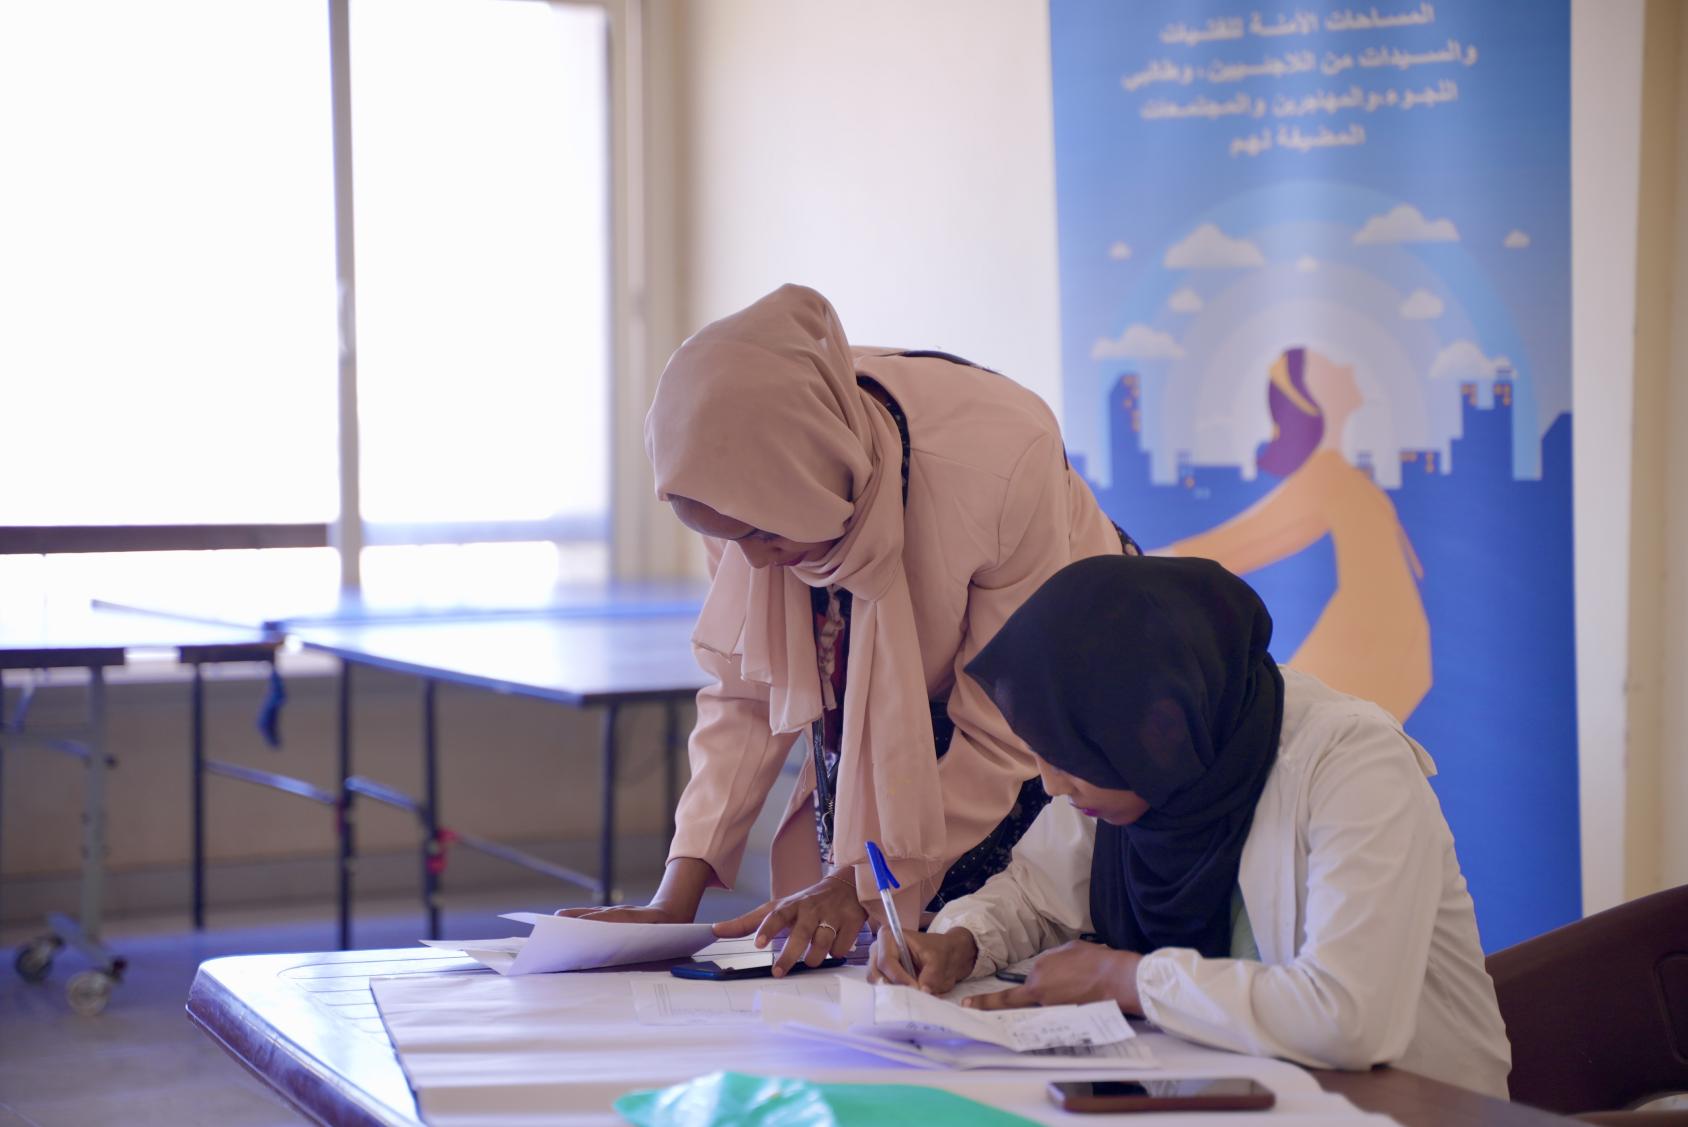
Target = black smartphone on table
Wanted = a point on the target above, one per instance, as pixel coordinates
(1194, 1093)
(754, 964)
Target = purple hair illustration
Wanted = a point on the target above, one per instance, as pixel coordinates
(1297, 422)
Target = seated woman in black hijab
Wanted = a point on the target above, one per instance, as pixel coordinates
(1255, 861)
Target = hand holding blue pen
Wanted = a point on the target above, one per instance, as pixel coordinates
(882, 876)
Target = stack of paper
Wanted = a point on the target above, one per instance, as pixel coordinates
(563, 943)
(906, 1025)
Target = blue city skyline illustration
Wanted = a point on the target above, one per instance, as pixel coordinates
(1495, 716)
(1464, 207)
(1426, 247)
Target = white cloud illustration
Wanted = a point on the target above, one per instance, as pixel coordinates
(1209, 248)
(1185, 300)
(1119, 252)
(1405, 224)
(1139, 342)
(1463, 360)
(1515, 240)
(1306, 264)
(1422, 305)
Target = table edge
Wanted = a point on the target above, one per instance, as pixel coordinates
(208, 997)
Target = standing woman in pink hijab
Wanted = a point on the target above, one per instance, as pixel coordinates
(871, 518)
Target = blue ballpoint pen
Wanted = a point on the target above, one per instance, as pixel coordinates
(882, 876)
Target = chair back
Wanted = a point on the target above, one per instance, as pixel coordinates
(1597, 1010)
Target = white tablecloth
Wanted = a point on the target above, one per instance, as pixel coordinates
(482, 1050)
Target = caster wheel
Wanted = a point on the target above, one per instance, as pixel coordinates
(35, 958)
(89, 991)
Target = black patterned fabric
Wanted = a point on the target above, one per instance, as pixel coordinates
(991, 855)
(831, 609)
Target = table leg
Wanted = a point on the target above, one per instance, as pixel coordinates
(2, 772)
(606, 840)
(343, 820)
(431, 855)
(671, 779)
(93, 814)
(197, 791)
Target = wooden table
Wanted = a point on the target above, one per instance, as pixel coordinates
(307, 1026)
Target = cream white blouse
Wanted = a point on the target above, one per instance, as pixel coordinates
(1368, 941)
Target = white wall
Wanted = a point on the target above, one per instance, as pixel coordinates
(1673, 775)
(1630, 367)
(1605, 181)
(898, 156)
(1657, 761)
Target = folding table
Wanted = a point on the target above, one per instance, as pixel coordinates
(308, 1027)
(40, 636)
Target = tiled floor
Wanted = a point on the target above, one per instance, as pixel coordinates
(142, 1062)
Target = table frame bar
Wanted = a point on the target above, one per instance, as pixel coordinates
(346, 847)
(433, 850)
(606, 826)
(87, 743)
(436, 838)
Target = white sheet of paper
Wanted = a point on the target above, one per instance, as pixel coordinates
(497, 954)
(1122, 1058)
(969, 987)
(679, 1001)
(897, 1008)
(902, 1024)
(562, 943)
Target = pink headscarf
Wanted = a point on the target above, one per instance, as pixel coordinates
(759, 416)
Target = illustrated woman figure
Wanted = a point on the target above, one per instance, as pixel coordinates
(1372, 639)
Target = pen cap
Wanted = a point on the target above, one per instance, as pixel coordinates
(881, 871)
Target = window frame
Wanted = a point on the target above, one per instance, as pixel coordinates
(349, 533)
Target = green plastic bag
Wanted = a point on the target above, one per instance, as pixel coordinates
(733, 1099)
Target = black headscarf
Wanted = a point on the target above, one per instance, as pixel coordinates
(1150, 674)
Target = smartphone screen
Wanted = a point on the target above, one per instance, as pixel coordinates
(1178, 1089)
(753, 964)
(745, 961)
(1197, 1092)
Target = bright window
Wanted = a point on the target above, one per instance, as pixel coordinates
(481, 154)
(167, 331)
(168, 311)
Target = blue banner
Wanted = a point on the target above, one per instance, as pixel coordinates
(1315, 273)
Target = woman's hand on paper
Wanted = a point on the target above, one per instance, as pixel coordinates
(1074, 972)
(675, 902)
(823, 919)
(941, 959)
